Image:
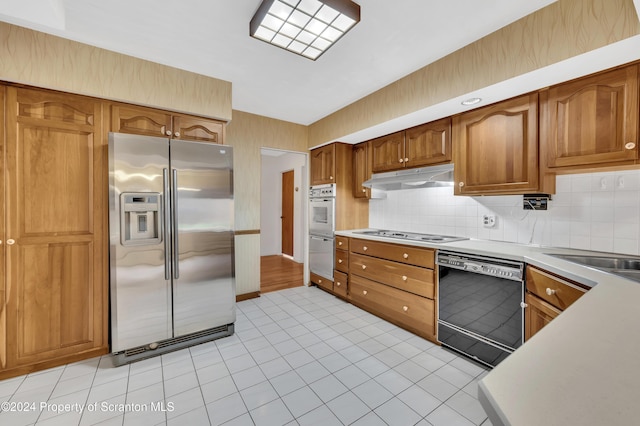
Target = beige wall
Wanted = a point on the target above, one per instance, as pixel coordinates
(560, 31)
(247, 133)
(42, 60)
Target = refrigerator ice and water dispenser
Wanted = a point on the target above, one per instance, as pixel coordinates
(140, 215)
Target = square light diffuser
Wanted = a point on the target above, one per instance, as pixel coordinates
(305, 27)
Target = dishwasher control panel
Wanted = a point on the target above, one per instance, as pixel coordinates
(500, 268)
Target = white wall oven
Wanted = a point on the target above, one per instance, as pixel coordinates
(322, 208)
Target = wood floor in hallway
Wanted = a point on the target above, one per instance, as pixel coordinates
(278, 272)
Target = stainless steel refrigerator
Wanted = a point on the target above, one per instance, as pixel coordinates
(171, 244)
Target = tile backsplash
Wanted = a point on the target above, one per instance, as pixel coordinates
(595, 211)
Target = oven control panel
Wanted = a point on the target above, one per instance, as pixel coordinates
(482, 265)
(322, 191)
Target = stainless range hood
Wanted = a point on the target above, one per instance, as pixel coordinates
(424, 177)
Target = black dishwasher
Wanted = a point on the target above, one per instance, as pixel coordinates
(480, 303)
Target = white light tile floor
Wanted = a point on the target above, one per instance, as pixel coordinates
(299, 357)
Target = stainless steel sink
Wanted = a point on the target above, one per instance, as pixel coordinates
(628, 267)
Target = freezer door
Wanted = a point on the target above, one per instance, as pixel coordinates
(203, 286)
(139, 284)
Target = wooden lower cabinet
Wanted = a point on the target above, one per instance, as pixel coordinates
(322, 282)
(55, 307)
(407, 310)
(546, 297)
(340, 284)
(537, 315)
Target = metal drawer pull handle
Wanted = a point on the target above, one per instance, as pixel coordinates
(11, 241)
(405, 308)
(524, 305)
(404, 278)
(406, 255)
(364, 292)
(364, 266)
(550, 292)
(364, 248)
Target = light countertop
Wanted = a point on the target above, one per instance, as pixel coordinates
(584, 367)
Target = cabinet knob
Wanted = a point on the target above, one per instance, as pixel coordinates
(630, 145)
(364, 248)
(339, 260)
(405, 308)
(319, 281)
(550, 292)
(0, 242)
(364, 190)
(168, 133)
(523, 305)
(404, 278)
(364, 292)
(11, 242)
(339, 243)
(330, 177)
(338, 284)
(401, 160)
(176, 134)
(461, 184)
(406, 159)
(364, 266)
(406, 255)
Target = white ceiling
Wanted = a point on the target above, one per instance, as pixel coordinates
(211, 37)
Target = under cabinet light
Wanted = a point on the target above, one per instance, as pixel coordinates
(471, 101)
(305, 27)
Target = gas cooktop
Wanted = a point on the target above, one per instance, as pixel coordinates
(428, 238)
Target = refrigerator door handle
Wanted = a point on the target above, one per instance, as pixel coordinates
(174, 210)
(167, 224)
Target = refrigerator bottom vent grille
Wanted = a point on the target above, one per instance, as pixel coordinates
(173, 344)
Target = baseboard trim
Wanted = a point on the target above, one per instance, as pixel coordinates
(247, 296)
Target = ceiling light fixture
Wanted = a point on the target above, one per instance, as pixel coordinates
(305, 27)
(471, 101)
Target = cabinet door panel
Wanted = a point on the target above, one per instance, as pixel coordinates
(361, 169)
(57, 302)
(387, 153)
(3, 266)
(592, 120)
(497, 148)
(198, 129)
(537, 315)
(139, 121)
(323, 169)
(428, 144)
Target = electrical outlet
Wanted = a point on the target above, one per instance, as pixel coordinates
(489, 220)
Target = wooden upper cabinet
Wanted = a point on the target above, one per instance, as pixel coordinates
(361, 169)
(428, 144)
(152, 122)
(57, 287)
(323, 165)
(197, 129)
(496, 148)
(140, 121)
(591, 121)
(387, 152)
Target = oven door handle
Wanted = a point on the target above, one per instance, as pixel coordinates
(313, 237)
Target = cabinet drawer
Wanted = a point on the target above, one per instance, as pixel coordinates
(340, 283)
(405, 309)
(557, 292)
(342, 243)
(410, 255)
(404, 277)
(342, 260)
(322, 282)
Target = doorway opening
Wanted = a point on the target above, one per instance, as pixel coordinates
(283, 213)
